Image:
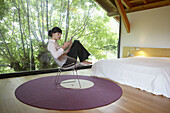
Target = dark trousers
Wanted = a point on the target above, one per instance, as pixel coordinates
(77, 50)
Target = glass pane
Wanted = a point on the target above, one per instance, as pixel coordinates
(24, 32)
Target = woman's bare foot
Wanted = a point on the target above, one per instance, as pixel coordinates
(86, 63)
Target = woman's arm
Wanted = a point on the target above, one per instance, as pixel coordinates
(68, 49)
(56, 53)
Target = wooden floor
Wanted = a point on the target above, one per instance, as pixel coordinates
(132, 101)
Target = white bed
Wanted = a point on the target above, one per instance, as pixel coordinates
(151, 74)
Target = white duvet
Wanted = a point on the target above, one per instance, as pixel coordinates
(151, 74)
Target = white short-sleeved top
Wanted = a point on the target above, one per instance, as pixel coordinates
(57, 52)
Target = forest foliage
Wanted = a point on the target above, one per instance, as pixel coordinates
(24, 26)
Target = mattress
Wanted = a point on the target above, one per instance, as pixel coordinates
(151, 74)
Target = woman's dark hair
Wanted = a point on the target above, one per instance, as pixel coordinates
(54, 30)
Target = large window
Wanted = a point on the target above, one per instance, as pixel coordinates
(25, 24)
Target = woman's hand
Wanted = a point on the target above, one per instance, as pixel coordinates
(70, 42)
(66, 44)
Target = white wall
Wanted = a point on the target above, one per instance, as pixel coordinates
(148, 28)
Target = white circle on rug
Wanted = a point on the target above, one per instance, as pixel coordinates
(74, 84)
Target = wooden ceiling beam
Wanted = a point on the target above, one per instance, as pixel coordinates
(145, 1)
(126, 4)
(123, 15)
(117, 18)
(149, 6)
(142, 7)
(113, 14)
(134, 1)
(107, 5)
(111, 4)
(101, 3)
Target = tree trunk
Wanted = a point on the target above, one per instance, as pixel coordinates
(20, 24)
(47, 16)
(8, 51)
(67, 20)
(38, 20)
(42, 21)
(32, 64)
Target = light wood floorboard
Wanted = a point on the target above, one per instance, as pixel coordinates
(132, 101)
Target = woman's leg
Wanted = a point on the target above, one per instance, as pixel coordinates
(77, 50)
(69, 62)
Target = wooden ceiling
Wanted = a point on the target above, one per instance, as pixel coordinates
(115, 8)
(130, 5)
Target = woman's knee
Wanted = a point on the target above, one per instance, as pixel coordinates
(76, 41)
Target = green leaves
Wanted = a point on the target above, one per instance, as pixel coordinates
(3, 8)
(86, 20)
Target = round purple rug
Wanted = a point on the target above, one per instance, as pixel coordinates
(42, 93)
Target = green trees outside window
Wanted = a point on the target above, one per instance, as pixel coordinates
(24, 26)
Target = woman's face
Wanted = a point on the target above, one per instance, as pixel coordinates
(57, 36)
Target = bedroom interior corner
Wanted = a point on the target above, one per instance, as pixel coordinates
(149, 29)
